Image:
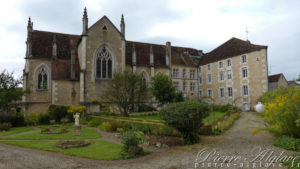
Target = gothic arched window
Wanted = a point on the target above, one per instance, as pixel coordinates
(103, 64)
(42, 78)
(144, 78)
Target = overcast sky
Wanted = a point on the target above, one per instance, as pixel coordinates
(200, 24)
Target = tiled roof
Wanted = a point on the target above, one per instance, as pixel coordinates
(42, 44)
(180, 55)
(275, 78)
(232, 47)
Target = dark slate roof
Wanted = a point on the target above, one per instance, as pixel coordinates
(180, 55)
(42, 44)
(232, 47)
(275, 78)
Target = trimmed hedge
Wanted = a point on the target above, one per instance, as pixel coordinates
(14, 120)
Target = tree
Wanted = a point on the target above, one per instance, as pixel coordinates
(186, 117)
(126, 90)
(163, 89)
(10, 92)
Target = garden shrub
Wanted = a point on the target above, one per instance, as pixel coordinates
(186, 117)
(225, 124)
(131, 141)
(106, 126)
(44, 119)
(16, 120)
(32, 119)
(73, 110)
(5, 126)
(94, 122)
(145, 108)
(282, 107)
(58, 112)
(288, 143)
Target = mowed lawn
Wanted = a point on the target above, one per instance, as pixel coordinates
(86, 133)
(99, 149)
(15, 130)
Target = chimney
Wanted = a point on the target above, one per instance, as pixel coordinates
(151, 56)
(168, 54)
(54, 47)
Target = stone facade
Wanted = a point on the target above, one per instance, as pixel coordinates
(276, 81)
(66, 69)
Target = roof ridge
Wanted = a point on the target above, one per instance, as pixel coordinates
(55, 33)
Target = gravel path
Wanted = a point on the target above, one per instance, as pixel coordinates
(236, 141)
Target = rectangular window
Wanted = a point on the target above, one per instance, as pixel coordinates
(175, 73)
(222, 92)
(208, 67)
(184, 86)
(176, 85)
(244, 59)
(209, 78)
(245, 90)
(228, 62)
(229, 91)
(244, 72)
(209, 92)
(192, 74)
(200, 93)
(192, 87)
(229, 75)
(221, 76)
(220, 64)
(200, 79)
(183, 73)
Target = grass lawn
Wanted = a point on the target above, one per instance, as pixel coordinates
(15, 130)
(100, 150)
(86, 133)
(213, 117)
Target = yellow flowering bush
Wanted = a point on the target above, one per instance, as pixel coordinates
(282, 110)
(76, 109)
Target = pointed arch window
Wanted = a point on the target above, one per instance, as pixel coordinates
(42, 78)
(103, 64)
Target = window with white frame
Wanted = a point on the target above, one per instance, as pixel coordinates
(221, 76)
(245, 90)
(183, 73)
(176, 85)
(209, 78)
(228, 62)
(222, 92)
(208, 67)
(184, 86)
(192, 86)
(175, 72)
(192, 74)
(200, 79)
(244, 72)
(209, 92)
(103, 64)
(229, 74)
(229, 89)
(244, 58)
(220, 64)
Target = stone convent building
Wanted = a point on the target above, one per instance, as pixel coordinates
(67, 69)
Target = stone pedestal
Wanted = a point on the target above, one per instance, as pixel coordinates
(77, 131)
